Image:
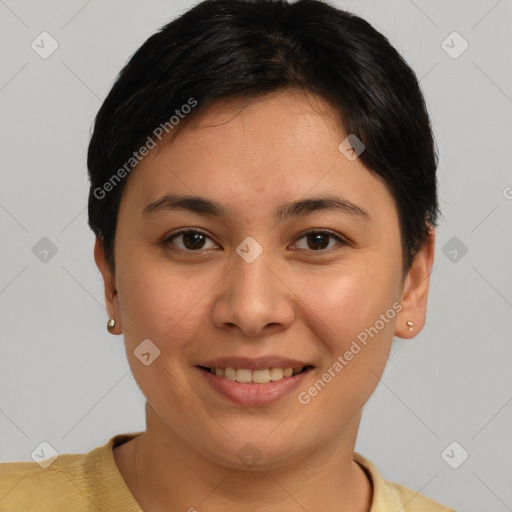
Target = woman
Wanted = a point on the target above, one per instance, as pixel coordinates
(263, 194)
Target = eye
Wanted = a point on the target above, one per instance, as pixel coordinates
(192, 240)
(318, 240)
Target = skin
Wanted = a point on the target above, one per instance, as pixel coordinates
(292, 301)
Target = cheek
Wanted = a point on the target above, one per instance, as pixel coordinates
(358, 311)
(164, 307)
(348, 299)
(354, 311)
(161, 302)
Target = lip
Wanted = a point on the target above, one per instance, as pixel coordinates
(256, 363)
(251, 394)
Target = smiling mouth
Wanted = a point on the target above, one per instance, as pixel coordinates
(259, 376)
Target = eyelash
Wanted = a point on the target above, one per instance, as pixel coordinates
(341, 241)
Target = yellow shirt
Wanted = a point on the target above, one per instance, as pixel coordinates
(92, 482)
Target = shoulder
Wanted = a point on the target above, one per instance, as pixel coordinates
(389, 496)
(25, 484)
(81, 482)
(413, 501)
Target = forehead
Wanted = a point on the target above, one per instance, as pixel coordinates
(244, 153)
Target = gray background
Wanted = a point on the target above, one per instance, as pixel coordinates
(65, 380)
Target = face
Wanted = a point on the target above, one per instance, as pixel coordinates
(271, 284)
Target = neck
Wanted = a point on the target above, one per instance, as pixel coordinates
(163, 473)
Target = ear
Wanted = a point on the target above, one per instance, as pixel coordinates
(111, 297)
(415, 291)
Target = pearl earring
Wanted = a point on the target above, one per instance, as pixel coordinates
(410, 324)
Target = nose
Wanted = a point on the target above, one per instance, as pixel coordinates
(253, 297)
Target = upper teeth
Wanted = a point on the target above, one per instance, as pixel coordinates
(262, 376)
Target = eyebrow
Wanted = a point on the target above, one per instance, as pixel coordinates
(301, 207)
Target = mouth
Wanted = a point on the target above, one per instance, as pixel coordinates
(252, 383)
(258, 376)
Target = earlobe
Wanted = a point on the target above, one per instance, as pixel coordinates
(412, 316)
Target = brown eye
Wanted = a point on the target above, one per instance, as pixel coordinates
(318, 240)
(191, 240)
